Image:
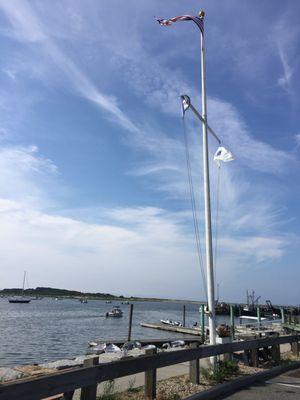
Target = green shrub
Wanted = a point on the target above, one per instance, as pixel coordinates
(223, 370)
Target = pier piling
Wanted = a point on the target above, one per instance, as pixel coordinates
(232, 321)
(258, 318)
(130, 322)
(282, 315)
(202, 322)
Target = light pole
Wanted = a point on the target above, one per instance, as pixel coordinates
(199, 21)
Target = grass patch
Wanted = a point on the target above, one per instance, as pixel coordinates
(109, 391)
(131, 388)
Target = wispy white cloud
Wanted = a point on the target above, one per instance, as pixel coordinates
(154, 247)
(136, 244)
(25, 175)
(287, 44)
(285, 80)
(28, 28)
(261, 248)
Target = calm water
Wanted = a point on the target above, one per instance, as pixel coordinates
(45, 330)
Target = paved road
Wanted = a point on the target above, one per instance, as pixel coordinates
(282, 387)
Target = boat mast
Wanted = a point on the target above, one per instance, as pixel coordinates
(24, 277)
(207, 208)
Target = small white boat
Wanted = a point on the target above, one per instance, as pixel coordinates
(97, 348)
(178, 343)
(251, 317)
(116, 312)
(170, 322)
(111, 348)
(149, 347)
(108, 302)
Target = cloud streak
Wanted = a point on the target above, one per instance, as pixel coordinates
(27, 28)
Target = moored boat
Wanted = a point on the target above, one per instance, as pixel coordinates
(116, 312)
(170, 322)
(21, 299)
(83, 300)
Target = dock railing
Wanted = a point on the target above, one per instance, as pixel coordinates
(90, 375)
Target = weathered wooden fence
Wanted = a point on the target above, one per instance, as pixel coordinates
(88, 376)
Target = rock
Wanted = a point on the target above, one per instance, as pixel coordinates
(109, 357)
(9, 374)
(61, 364)
(34, 370)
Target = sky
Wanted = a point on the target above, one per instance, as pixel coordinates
(94, 192)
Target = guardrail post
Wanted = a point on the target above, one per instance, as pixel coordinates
(275, 351)
(150, 379)
(254, 357)
(246, 357)
(295, 348)
(89, 392)
(265, 353)
(195, 367)
(183, 317)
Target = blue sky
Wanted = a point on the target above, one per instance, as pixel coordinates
(93, 183)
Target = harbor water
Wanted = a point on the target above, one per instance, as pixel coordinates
(47, 330)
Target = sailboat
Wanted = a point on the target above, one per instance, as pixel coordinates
(21, 299)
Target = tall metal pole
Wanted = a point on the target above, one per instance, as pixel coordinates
(208, 234)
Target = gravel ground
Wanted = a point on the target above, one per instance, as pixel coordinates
(180, 387)
(175, 388)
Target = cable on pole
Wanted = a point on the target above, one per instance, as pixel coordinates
(193, 204)
(217, 223)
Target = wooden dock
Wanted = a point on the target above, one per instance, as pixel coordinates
(170, 328)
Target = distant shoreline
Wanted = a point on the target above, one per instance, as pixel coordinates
(74, 294)
(65, 293)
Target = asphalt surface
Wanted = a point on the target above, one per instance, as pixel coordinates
(283, 387)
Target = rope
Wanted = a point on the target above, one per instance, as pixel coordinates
(193, 204)
(217, 224)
